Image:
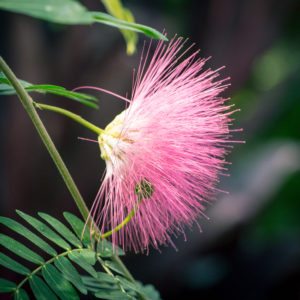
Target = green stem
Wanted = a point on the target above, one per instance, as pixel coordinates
(70, 115)
(120, 226)
(123, 223)
(28, 105)
(125, 271)
(109, 272)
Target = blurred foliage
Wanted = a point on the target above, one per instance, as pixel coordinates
(275, 66)
(71, 12)
(271, 97)
(281, 217)
(116, 9)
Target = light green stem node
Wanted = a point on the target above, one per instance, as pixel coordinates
(70, 115)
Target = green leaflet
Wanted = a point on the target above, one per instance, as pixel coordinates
(70, 273)
(45, 230)
(89, 256)
(61, 91)
(112, 295)
(111, 21)
(106, 249)
(113, 266)
(7, 89)
(22, 230)
(83, 260)
(20, 250)
(102, 281)
(6, 286)
(129, 285)
(40, 289)
(62, 287)
(106, 282)
(58, 11)
(78, 226)
(62, 229)
(150, 292)
(11, 264)
(71, 12)
(21, 295)
(105, 277)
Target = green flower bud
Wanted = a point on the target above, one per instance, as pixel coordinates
(144, 189)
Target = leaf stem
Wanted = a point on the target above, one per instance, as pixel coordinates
(70, 115)
(109, 272)
(51, 260)
(28, 105)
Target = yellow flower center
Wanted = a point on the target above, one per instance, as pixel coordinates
(112, 139)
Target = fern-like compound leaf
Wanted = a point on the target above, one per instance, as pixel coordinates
(62, 261)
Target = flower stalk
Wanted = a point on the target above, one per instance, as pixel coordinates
(122, 224)
(70, 115)
(144, 190)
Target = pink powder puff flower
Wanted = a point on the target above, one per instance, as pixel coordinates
(165, 152)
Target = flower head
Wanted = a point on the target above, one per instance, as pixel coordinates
(165, 152)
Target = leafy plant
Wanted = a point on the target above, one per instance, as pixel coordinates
(64, 261)
(69, 262)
